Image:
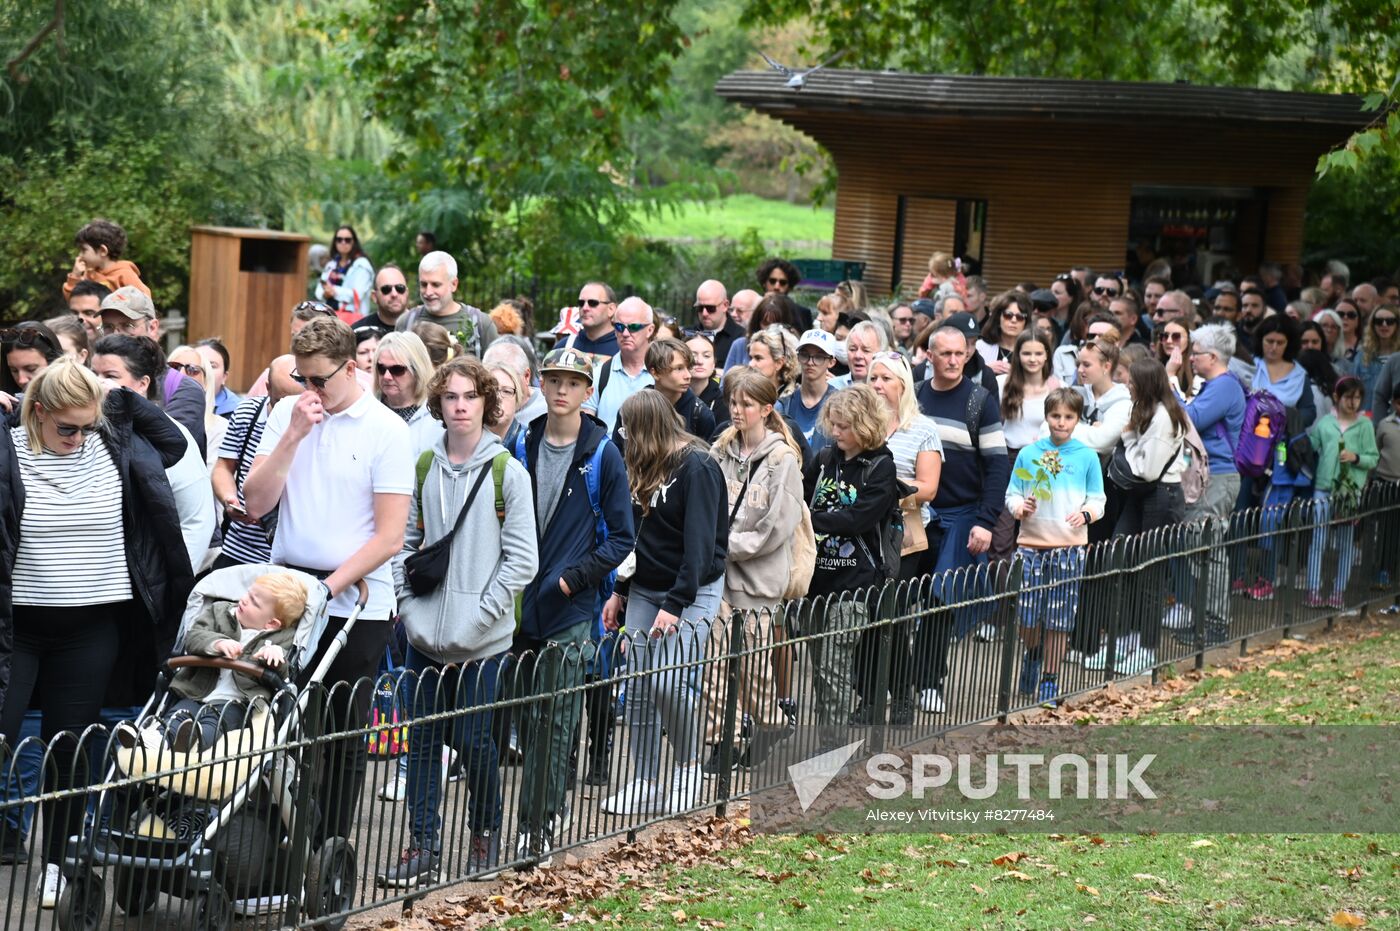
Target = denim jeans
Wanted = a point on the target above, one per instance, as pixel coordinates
(454, 689)
(1324, 535)
(670, 697)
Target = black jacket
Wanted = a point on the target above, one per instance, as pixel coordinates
(725, 338)
(682, 540)
(143, 442)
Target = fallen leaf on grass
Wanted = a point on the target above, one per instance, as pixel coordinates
(1080, 887)
(1013, 857)
(1202, 843)
(1148, 878)
(1276, 674)
(1015, 874)
(1348, 920)
(679, 916)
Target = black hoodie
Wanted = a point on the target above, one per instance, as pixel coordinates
(847, 508)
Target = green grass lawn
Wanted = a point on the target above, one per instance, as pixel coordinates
(729, 217)
(1055, 881)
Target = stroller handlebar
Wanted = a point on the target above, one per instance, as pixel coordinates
(263, 674)
(361, 594)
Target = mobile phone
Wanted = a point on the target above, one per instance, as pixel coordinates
(237, 508)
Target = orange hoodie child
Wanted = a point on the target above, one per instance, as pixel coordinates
(116, 275)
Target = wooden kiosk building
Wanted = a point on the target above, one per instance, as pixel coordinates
(1027, 177)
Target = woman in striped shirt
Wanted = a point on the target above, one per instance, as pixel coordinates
(72, 484)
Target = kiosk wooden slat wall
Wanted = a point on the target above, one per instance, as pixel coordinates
(243, 286)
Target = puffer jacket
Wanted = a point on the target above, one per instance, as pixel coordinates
(143, 442)
(759, 559)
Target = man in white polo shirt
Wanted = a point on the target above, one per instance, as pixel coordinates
(340, 466)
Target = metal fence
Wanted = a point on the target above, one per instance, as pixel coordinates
(243, 833)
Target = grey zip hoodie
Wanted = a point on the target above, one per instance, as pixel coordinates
(472, 614)
(759, 559)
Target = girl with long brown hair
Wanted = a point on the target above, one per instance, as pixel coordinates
(679, 498)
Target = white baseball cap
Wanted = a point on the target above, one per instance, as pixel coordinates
(823, 340)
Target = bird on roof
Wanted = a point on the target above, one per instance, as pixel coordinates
(798, 79)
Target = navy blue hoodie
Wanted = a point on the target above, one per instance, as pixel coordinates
(567, 548)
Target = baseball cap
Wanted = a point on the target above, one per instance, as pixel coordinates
(821, 339)
(131, 301)
(924, 306)
(570, 360)
(966, 324)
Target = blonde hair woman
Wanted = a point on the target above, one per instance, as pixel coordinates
(773, 353)
(191, 362)
(402, 371)
(762, 468)
(682, 534)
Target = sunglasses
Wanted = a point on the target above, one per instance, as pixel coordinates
(630, 327)
(72, 429)
(590, 302)
(345, 239)
(1102, 291)
(778, 282)
(706, 308)
(26, 337)
(1384, 321)
(387, 289)
(1013, 315)
(698, 334)
(910, 319)
(398, 371)
(318, 381)
(194, 371)
(315, 307)
(1348, 314)
(889, 355)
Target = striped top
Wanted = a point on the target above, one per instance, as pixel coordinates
(72, 549)
(247, 543)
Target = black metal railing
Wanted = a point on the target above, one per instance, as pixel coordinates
(184, 841)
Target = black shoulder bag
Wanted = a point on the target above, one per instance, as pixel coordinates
(425, 570)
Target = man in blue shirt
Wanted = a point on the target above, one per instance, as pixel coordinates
(617, 379)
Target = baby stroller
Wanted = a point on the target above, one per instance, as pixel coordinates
(228, 828)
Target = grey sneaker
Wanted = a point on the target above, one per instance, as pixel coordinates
(416, 866)
(484, 858)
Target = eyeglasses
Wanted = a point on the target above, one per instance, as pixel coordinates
(26, 337)
(1013, 315)
(589, 302)
(706, 308)
(909, 319)
(72, 429)
(398, 371)
(1348, 314)
(630, 327)
(508, 392)
(194, 371)
(387, 289)
(315, 307)
(1174, 337)
(345, 239)
(812, 358)
(1195, 353)
(777, 282)
(319, 381)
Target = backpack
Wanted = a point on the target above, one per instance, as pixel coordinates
(889, 533)
(1254, 453)
(1195, 478)
(1299, 456)
(592, 481)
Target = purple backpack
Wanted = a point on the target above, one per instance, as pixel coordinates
(1254, 453)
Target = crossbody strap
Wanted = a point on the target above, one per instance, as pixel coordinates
(734, 511)
(471, 496)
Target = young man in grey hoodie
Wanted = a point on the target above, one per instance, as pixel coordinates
(459, 631)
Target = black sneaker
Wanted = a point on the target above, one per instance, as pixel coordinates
(902, 712)
(761, 747)
(12, 847)
(864, 716)
(789, 709)
(714, 762)
(484, 858)
(597, 774)
(416, 866)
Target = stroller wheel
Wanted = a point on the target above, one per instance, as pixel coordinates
(81, 904)
(330, 882)
(135, 890)
(212, 910)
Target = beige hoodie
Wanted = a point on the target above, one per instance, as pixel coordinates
(761, 535)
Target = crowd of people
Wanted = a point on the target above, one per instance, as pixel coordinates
(642, 482)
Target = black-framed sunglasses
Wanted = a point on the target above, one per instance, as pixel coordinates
(316, 307)
(345, 239)
(194, 371)
(696, 333)
(73, 429)
(319, 381)
(26, 338)
(1102, 291)
(589, 302)
(705, 308)
(777, 282)
(630, 327)
(398, 371)
(1384, 321)
(387, 289)
(1013, 315)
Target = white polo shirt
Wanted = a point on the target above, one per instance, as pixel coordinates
(327, 507)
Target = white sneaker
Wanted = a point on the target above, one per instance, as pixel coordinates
(449, 759)
(686, 783)
(1100, 660)
(1137, 662)
(638, 797)
(985, 634)
(930, 702)
(51, 886)
(1074, 657)
(1178, 617)
(395, 789)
